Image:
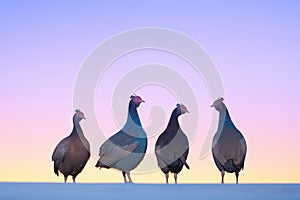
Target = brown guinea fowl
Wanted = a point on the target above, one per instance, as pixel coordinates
(172, 146)
(229, 146)
(72, 153)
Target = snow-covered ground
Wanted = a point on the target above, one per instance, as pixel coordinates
(43, 191)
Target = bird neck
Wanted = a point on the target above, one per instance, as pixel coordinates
(224, 119)
(133, 116)
(76, 128)
(173, 122)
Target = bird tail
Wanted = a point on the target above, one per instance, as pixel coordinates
(56, 167)
(230, 166)
(186, 165)
(184, 162)
(100, 164)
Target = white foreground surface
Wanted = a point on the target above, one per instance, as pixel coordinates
(147, 191)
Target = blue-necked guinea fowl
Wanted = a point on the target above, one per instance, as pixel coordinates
(229, 147)
(72, 153)
(125, 149)
(172, 146)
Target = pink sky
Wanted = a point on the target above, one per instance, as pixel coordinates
(254, 46)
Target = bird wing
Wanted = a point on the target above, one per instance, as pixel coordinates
(241, 153)
(230, 150)
(61, 151)
(175, 149)
(164, 157)
(116, 148)
(218, 153)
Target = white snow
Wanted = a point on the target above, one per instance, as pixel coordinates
(76, 191)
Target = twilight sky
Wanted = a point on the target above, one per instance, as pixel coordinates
(254, 46)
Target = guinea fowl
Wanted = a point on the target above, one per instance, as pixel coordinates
(172, 146)
(229, 146)
(72, 153)
(125, 149)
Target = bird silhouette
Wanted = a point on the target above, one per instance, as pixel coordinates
(172, 146)
(229, 147)
(125, 149)
(72, 153)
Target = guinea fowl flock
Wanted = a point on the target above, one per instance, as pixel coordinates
(126, 149)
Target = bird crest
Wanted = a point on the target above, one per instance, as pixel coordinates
(77, 110)
(221, 99)
(132, 96)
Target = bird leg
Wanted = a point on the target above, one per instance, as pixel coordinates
(237, 177)
(222, 175)
(65, 178)
(124, 175)
(74, 177)
(167, 178)
(129, 178)
(175, 177)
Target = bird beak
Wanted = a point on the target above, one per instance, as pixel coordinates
(83, 117)
(142, 101)
(212, 106)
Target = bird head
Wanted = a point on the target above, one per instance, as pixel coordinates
(78, 116)
(218, 104)
(181, 109)
(136, 100)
